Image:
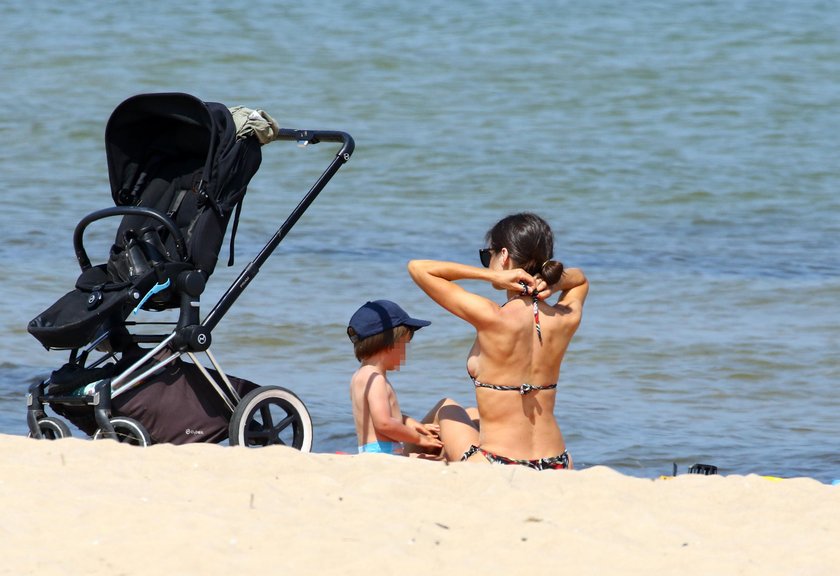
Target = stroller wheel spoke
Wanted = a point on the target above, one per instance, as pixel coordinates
(277, 429)
(265, 412)
(285, 423)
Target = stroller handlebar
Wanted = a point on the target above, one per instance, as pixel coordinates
(306, 137)
(78, 233)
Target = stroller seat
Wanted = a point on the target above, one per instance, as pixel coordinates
(177, 173)
(179, 169)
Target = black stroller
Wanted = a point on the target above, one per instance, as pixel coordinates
(179, 168)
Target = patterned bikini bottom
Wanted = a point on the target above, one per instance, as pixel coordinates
(560, 462)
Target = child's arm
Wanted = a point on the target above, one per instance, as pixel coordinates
(388, 425)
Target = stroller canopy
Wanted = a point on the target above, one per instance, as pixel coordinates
(168, 134)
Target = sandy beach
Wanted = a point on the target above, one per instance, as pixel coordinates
(80, 507)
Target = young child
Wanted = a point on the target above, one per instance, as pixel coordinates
(380, 331)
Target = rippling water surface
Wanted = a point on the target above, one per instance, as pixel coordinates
(686, 155)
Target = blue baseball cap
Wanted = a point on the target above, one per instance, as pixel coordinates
(378, 316)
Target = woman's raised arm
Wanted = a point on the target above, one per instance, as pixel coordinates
(437, 279)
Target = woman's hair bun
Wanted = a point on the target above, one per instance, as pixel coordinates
(551, 271)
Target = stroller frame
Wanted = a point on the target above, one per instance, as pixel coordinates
(252, 421)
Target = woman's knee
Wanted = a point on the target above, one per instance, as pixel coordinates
(432, 416)
(434, 413)
(451, 411)
(447, 402)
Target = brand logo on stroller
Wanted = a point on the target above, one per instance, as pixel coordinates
(192, 432)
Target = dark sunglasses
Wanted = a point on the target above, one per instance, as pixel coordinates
(485, 254)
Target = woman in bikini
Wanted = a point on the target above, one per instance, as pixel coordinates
(515, 361)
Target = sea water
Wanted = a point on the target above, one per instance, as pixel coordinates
(685, 154)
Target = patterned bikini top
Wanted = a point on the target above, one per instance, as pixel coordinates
(522, 388)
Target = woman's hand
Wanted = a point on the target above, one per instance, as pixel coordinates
(515, 280)
(542, 290)
(572, 278)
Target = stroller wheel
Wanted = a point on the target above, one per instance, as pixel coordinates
(129, 431)
(271, 415)
(53, 428)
